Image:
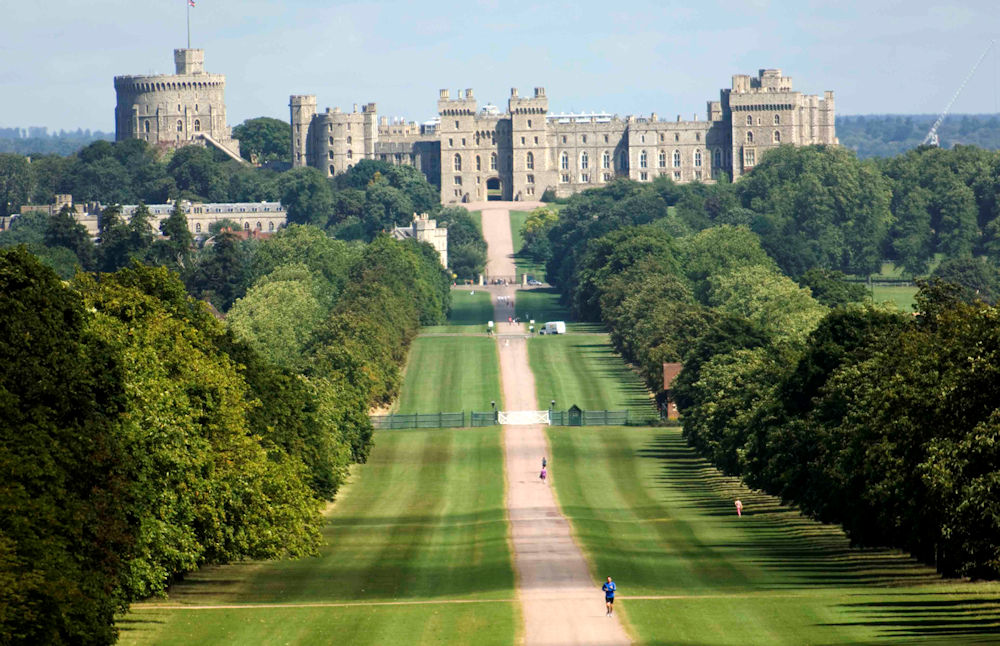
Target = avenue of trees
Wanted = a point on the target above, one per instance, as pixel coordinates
(883, 421)
(141, 437)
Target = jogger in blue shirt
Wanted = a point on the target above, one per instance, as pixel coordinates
(609, 596)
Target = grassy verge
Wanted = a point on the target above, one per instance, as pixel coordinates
(470, 310)
(542, 304)
(524, 264)
(903, 295)
(477, 217)
(584, 370)
(423, 521)
(660, 520)
(450, 373)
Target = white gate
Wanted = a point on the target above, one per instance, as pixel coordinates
(523, 417)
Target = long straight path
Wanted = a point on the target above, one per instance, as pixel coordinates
(562, 604)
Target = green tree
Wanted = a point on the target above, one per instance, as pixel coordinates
(264, 139)
(175, 251)
(307, 196)
(15, 183)
(831, 288)
(64, 231)
(977, 278)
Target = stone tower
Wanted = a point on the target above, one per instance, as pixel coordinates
(173, 110)
(302, 108)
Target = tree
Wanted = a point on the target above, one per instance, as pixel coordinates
(65, 532)
(264, 139)
(64, 231)
(220, 274)
(307, 196)
(15, 183)
(718, 251)
(977, 278)
(198, 175)
(831, 288)
(176, 249)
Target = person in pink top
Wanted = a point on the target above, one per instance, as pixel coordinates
(542, 475)
(739, 508)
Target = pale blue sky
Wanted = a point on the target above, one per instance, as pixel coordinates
(58, 57)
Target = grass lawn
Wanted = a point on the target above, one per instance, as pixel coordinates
(470, 310)
(583, 369)
(423, 521)
(450, 374)
(524, 264)
(901, 295)
(477, 217)
(661, 521)
(542, 304)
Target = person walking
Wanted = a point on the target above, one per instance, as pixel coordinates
(739, 507)
(609, 596)
(544, 462)
(541, 475)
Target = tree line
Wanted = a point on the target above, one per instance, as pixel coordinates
(882, 421)
(888, 135)
(142, 437)
(371, 198)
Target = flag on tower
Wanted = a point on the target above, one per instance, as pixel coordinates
(190, 3)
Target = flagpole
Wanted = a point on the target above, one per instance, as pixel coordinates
(188, 4)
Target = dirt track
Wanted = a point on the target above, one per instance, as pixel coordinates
(561, 603)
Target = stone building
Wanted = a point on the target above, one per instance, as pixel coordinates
(476, 154)
(174, 110)
(425, 230)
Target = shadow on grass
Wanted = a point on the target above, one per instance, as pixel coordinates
(965, 620)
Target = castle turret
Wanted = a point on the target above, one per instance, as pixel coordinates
(302, 108)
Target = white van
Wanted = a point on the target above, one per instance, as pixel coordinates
(553, 327)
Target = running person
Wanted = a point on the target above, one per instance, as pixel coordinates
(609, 596)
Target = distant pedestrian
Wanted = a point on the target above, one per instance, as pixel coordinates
(544, 462)
(609, 596)
(739, 508)
(541, 475)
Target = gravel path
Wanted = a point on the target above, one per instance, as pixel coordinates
(561, 604)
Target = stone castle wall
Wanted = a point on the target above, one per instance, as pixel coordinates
(475, 154)
(174, 110)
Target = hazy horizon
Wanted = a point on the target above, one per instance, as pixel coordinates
(60, 58)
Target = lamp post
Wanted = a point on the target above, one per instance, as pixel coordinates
(493, 405)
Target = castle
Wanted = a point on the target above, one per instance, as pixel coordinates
(477, 154)
(174, 110)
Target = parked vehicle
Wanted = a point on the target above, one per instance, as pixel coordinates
(553, 327)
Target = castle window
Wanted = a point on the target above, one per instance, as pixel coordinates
(643, 176)
(536, 141)
(479, 163)
(260, 227)
(270, 226)
(564, 138)
(677, 136)
(180, 126)
(697, 175)
(605, 139)
(463, 141)
(677, 159)
(642, 139)
(145, 126)
(178, 107)
(458, 180)
(642, 160)
(777, 137)
(522, 141)
(584, 138)
(246, 226)
(607, 177)
(677, 176)
(531, 179)
(749, 120)
(661, 136)
(564, 161)
(458, 162)
(331, 169)
(456, 125)
(350, 155)
(197, 125)
(777, 119)
(661, 160)
(529, 161)
(749, 136)
(349, 139)
(493, 161)
(529, 123)
(197, 227)
(749, 157)
(606, 160)
(195, 107)
(584, 160)
(584, 178)
(697, 136)
(718, 158)
(697, 159)
(451, 142)
(331, 141)
(329, 154)
(564, 178)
